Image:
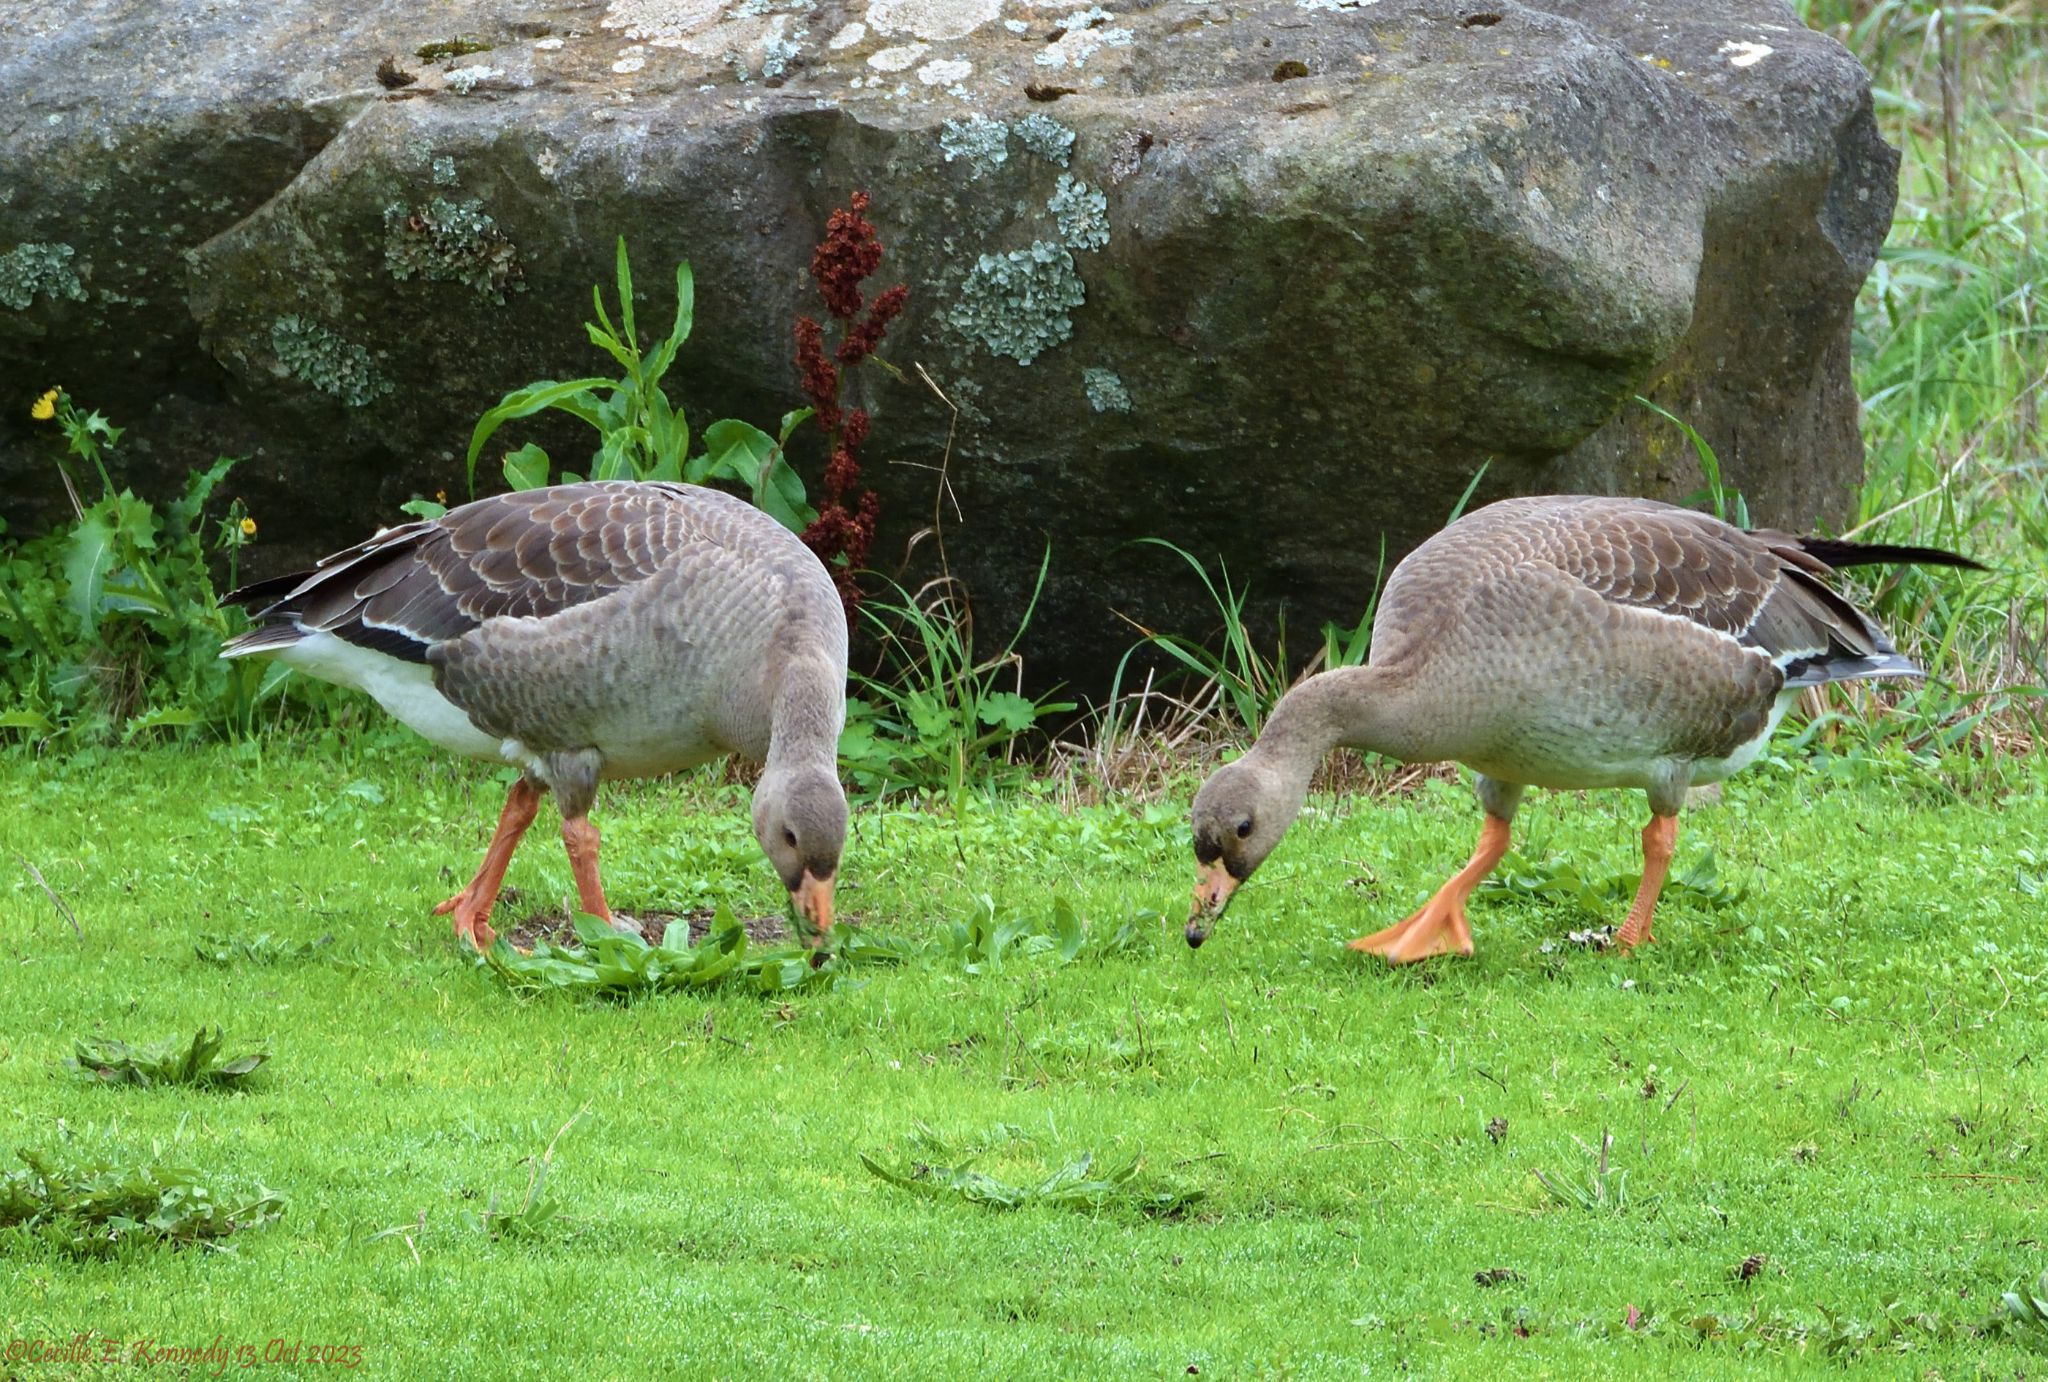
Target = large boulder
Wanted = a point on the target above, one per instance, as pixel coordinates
(1270, 280)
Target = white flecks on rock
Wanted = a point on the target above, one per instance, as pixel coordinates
(897, 59)
(1016, 26)
(548, 45)
(463, 80)
(932, 19)
(545, 163)
(1084, 32)
(656, 19)
(848, 36)
(1333, 4)
(1744, 54)
(944, 71)
(631, 59)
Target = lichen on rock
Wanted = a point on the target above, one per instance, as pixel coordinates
(1081, 212)
(464, 80)
(311, 353)
(932, 19)
(452, 242)
(1105, 389)
(34, 267)
(1017, 304)
(982, 142)
(1046, 137)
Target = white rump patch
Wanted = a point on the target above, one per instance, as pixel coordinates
(405, 689)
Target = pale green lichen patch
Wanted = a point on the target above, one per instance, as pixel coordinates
(444, 171)
(33, 268)
(982, 142)
(1046, 137)
(452, 242)
(1017, 304)
(464, 80)
(311, 353)
(1106, 391)
(1081, 212)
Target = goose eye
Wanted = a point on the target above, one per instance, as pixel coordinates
(789, 837)
(1244, 829)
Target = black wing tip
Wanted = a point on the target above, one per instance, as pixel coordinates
(261, 594)
(1837, 552)
(1827, 667)
(264, 638)
(380, 638)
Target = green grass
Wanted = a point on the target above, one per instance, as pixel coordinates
(1841, 1071)
(1823, 1085)
(1950, 345)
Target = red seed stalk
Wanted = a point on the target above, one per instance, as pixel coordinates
(847, 256)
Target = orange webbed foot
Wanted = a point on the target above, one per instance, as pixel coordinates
(1439, 928)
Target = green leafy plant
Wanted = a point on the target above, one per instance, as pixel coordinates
(936, 716)
(539, 1214)
(1557, 882)
(198, 1063)
(981, 942)
(1725, 501)
(607, 962)
(2024, 1312)
(111, 624)
(90, 1209)
(642, 434)
(1605, 1191)
(260, 949)
(1069, 1187)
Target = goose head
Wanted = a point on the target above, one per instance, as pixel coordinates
(1239, 816)
(800, 820)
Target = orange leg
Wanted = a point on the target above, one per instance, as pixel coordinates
(1660, 838)
(472, 906)
(579, 837)
(1440, 927)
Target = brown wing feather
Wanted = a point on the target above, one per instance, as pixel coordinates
(532, 553)
(1764, 589)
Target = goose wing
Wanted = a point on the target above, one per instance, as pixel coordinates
(531, 553)
(1767, 591)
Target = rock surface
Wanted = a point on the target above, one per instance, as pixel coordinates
(1271, 280)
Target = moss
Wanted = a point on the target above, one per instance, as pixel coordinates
(1081, 212)
(460, 46)
(1106, 391)
(31, 268)
(1016, 304)
(315, 355)
(444, 171)
(983, 142)
(452, 242)
(1046, 137)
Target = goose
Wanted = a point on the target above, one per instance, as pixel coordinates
(1566, 642)
(584, 632)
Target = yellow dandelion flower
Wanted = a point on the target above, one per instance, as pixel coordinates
(248, 527)
(45, 408)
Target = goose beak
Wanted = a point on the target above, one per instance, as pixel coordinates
(813, 902)
(1213, 887)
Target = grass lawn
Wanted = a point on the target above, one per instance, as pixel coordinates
(1842, 1071)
